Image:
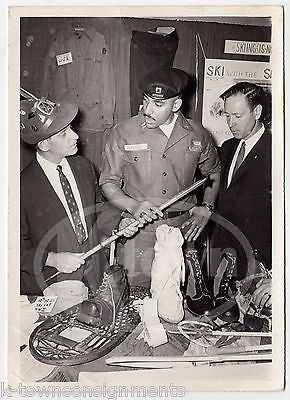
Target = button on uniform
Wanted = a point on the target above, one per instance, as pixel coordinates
(164, 191)
(164, 173)
(164, 155)
(136, 158)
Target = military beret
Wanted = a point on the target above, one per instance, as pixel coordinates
(42, 118)
(164, 83)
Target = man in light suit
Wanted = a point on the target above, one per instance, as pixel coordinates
(245, 187)
(58, 201)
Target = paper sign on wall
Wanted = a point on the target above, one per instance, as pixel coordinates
(246, 47)
(65, 58)
(221, 74)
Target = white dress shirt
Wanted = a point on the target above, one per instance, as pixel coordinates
(249, 144)
(168, 128)
(52, 174)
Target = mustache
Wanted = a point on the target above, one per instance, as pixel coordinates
(149, 116)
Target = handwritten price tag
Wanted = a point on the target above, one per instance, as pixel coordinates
(44, 305)
(65, 58)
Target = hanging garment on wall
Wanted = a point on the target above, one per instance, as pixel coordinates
(78, 63)
(149, 51)
(91, 145)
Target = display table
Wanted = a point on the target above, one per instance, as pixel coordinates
(177, 345)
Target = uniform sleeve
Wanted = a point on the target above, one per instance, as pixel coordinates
(209, 161)
(113, 165)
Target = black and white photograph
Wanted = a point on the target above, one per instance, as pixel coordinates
(146, 200)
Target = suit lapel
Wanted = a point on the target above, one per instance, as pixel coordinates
(250, 160)
(83, 190)
(228, 162)
(47, 193)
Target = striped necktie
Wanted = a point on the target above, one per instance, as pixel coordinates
(72, 205)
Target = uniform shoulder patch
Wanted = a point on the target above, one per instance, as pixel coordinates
(195, 146)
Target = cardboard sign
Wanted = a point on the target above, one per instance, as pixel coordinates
(44, 305)
(246, 47)
(63, 59)
(219, 75)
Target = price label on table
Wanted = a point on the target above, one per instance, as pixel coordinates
(44, 305)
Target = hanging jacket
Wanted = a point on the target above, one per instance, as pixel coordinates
(149, 51)
(83, 70)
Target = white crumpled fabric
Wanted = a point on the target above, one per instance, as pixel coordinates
(167, 273)
(69, 293)
(153, 331)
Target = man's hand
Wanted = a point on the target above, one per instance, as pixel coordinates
(130, 230)
(262, 294)
(145, 211)
(199, 217)
(65, 262)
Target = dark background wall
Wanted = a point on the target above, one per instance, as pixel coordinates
(118, 32)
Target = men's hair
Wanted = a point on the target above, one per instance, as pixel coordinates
(254, 94)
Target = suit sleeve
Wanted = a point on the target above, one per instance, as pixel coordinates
(30, 262)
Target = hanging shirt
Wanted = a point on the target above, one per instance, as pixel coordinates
(249, 144)
(78, 64)
(52, 175)
(149, 51)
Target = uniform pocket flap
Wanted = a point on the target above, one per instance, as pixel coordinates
(138, 156)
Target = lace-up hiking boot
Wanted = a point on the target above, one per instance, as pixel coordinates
(109, 298)
(202, 302)
(226, 305)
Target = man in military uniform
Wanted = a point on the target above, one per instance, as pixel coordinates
(151, 157)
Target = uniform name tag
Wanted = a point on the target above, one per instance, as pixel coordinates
(65, 58)
(134, 147)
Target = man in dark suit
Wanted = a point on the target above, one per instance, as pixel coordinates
(244, 197)
(58, 201)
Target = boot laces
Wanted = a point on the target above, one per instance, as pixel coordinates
(103, 290)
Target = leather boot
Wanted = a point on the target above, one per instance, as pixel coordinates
(110, 297)
(202, 302)
(226, 306)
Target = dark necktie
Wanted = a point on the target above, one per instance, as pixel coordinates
(73, 207)
(240, 158)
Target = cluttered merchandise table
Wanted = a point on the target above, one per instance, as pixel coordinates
(63, 344)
